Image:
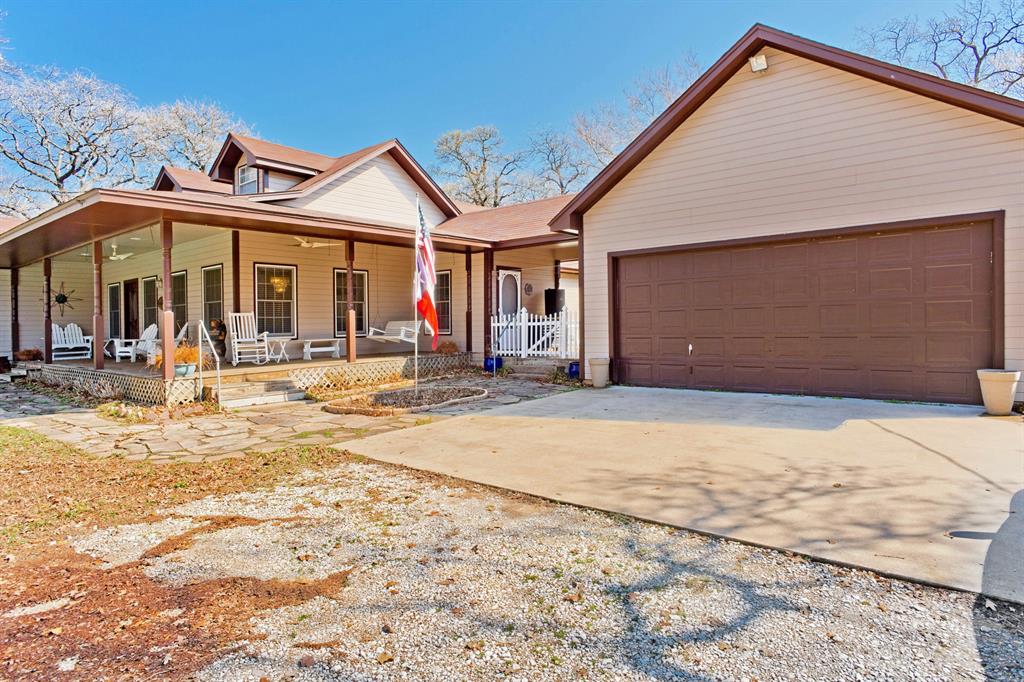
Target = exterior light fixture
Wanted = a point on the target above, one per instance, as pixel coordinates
(758, 63)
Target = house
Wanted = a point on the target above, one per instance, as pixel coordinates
(295, 237)
(804, 219)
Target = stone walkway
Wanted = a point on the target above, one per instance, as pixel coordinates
(232, 434)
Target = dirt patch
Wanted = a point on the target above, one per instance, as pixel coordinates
(49, 490)
(388, 403)
(121, 624)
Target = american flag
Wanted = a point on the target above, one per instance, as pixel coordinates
(426, 276)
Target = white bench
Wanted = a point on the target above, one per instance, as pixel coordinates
(70, 343)
(332, 346)
(396, 332)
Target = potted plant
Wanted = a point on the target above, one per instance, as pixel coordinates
(186, 358)
(998, 388)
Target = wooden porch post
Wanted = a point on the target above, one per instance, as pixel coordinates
(488, 298)
(558, 274)
(469, 301)
(15, 329)
(47, 320)
(236, 275)
(97, 305)
(167, 316)
(350, 308)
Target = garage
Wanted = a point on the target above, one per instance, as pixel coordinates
(890, 312)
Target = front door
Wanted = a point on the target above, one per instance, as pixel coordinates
(509, 298)
(131, 309)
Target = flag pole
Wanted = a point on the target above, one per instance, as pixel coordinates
(415, 308)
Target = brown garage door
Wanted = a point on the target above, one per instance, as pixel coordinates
(905, 314)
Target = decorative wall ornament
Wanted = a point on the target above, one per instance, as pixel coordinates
(63, 299)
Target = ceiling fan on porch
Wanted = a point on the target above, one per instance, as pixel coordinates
(306, 244)
(114, 255)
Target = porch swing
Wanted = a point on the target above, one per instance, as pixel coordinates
(394, 331)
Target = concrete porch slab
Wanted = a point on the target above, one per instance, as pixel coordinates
(927, 492)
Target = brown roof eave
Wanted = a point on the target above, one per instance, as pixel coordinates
(760, 36)
(102, 213)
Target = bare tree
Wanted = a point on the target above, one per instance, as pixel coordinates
(187, 134)
(62, 134)
(607, 128)
(980, 43)
(560, 162)
(477, 168)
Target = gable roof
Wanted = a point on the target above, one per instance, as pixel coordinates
(175, 179)
(510, 224)
(757, 38)
(262, 153)
(343, 164)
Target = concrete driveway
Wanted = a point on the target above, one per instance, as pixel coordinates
(931, 493)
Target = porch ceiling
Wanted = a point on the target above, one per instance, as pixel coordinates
(102, 214)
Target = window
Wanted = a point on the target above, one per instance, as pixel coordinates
(443, 302)
(114, 311)
(213, 293)
(246, 180)
(179, 299)
(360, 300)
(150, 308)
(275, 299)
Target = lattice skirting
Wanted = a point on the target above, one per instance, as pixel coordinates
(115, 386)
(370, 373)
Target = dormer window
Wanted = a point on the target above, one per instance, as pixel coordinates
(246, 180)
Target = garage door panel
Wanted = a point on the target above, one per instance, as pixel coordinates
(884, 314)
(837, 284)
(637, 296)
(673, 375)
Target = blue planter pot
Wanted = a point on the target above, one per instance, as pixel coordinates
(574, 370)
(492, 364)
(184, 370)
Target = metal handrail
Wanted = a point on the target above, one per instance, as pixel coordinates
(203, 333)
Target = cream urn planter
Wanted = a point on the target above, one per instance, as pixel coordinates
(998, 389)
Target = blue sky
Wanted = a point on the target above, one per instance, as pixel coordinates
(332, 77)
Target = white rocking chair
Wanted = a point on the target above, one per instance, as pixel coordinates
(246, 344)
(396, 332)
(146, 345)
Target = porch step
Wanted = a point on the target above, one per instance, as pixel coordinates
(247, 393)
(534, 367)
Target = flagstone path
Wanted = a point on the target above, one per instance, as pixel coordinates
(231, 434)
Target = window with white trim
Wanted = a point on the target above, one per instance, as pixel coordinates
(443, 301)
(213, 293)
(275, 299)
(179, 299)
(114, 310)
(150, 305)
(360, 300)
(246, 180)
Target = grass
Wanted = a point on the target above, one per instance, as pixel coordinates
(49, 489)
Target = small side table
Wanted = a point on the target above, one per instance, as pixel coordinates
(276, 350)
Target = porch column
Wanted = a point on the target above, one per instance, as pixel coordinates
(97, 305)
(15, 327)
(47, 320)
(558, 274)
(488, 298)
(350, 308)
(167, 316)
(236, 274)
(469, 301)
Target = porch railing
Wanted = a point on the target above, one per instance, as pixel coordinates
(204, 337)
(526, 335)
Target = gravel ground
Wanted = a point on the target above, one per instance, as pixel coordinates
(460, 582)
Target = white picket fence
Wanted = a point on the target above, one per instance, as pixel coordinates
(525, 335)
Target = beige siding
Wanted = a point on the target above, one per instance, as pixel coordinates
(570, 282)
(279, 182)
(190, 257)
(5, 313)
(802, 147)
(389, 271)
(75, 276)
(378, 190)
